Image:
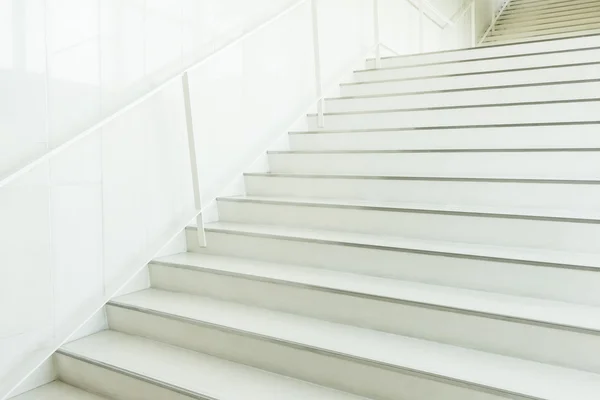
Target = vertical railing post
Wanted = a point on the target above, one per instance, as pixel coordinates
(376, 33)
(493, 25)
(317, 56)
(193, 158)
(421, 26)
(473, 25)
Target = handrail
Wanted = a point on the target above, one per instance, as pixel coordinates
(317, 63)
(106, 120)
(427, 4)
(495, 18)
(462, 11)
(59, 149)
(438, 13)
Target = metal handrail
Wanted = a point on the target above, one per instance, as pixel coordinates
(462, 11)
(183, 76)
(438, 13)
(59, 149)
(106, 120)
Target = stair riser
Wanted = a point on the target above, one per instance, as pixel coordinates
(538, 22)
(524, 114)
(479, 66)
(574, 27)
(493, 194)
(296, 361)
(525, 165)
(494, 276)
(473, 138)
(534, 342)
(465, 98)
(492, 41)
(109, 383)
(559, 74)
(513, 22)
(510, 27)
(521, 3)
(467, 116)
(556, 9)
(548, 4)
(552, 235)
(470, 54)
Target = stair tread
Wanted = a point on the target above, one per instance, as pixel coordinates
(560, 258)
(424, 207)
(434, 77)
(537, 38)
(506, 47)
(445, 361)
(557, 313)
(58, 391)
(440, 178)
(546, 31)
(433, 127)
(185, 369)
(501, 57)
(441, 151)
(464, 106)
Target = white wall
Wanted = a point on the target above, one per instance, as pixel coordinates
(73, 229)
(400, 26)
(65, 64)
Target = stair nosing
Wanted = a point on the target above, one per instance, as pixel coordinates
(499, 71)
(447, 127)
(429, 178)
(460, 107)
(505, 27)
(429, 252)
(580, 8)
(328, 352)
(557, 13)
(134, 375)
(550, 8)
(457, 150)
(521, 2)
(469, 89)
(508, 56)
(408, 210)
(542, 32)
(542, 6)
(528, 2)
(523, 39)
(510, 20)
(486, 47)
(370, 296)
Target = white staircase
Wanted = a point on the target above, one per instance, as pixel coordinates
(439, 239)
(526, 20)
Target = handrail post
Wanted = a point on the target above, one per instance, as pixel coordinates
(193, 159)
(421, 26)
(493, 23)
(317, 56)
(473, 25)
(377, 34)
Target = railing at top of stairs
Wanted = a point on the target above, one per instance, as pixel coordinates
(495, 17)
